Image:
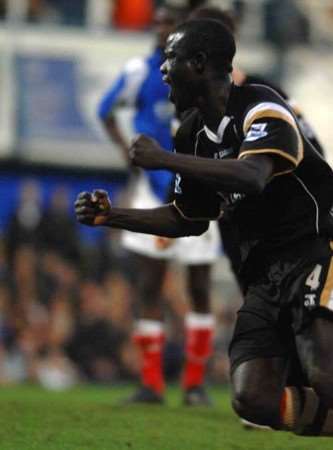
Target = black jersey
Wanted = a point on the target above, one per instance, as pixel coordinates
(295, 204)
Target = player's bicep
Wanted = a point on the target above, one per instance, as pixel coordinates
(124, 90)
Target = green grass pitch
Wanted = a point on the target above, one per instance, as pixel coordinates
(90, 418)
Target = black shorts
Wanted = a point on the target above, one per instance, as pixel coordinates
(281, 301)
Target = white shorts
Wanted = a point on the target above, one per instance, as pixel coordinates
(204, 249)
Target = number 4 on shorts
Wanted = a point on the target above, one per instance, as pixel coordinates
(313, 280)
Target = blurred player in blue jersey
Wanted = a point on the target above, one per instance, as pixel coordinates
(140, 85)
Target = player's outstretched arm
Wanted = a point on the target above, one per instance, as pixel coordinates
(95, 209)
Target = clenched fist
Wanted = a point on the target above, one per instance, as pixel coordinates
(145, 152)
(93, 208)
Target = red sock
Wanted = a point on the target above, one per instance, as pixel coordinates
(199, 331)
(149, 338)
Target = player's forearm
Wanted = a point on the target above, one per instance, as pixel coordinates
(231, 175)
(162, 221)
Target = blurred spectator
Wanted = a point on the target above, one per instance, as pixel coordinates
(7, 338)
(95, 345)
(133, 14)
(24, 275)
(239, 7)
(69, 12)
(285, 25)
(2, 9)
(65, 12)
(57, 231)
(35, 9)
(24, 223)
(4, 268)
(54, 370)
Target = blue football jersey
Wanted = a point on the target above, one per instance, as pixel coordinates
(140, 85)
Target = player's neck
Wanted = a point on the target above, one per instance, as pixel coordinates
(213, 105)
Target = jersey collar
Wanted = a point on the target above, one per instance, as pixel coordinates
(218, 137)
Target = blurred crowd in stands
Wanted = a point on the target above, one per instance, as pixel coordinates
(67, 305)
(138, 14)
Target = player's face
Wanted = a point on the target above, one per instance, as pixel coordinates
(178, 72)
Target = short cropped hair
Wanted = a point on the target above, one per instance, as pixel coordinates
(211, 37)
(224, 16)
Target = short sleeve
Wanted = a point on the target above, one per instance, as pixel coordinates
(269, 128)
(125, 88)
(196, 201)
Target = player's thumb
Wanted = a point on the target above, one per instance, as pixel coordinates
(100, 194)
(102, 199)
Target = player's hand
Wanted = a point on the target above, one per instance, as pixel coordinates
(145, 152)
(93, 208)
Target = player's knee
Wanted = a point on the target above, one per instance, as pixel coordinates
(255, 406)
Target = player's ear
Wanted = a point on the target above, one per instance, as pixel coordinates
(199, 61)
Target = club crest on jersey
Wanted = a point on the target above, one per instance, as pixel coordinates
(257, 131)
(223, 153)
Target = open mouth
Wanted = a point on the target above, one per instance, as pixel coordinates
(166, 79)
(171, 93)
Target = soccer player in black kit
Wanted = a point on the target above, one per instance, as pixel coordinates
(241, 154)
